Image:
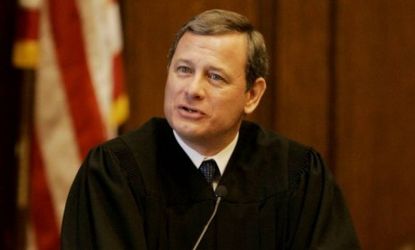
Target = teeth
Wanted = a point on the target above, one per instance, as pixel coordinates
(189, 110)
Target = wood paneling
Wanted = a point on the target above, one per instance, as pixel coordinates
(376, 125)
(301, 72)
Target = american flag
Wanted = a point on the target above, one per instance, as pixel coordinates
(74, 48)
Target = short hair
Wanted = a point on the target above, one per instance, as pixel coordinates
(216, 22)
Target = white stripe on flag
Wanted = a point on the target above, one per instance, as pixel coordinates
(30, 4)
(99, 55)
(53, 123)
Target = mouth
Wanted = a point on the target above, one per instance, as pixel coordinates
(190, 110)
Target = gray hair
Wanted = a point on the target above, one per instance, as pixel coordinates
(216, 22)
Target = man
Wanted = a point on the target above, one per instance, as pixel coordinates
(144, 189)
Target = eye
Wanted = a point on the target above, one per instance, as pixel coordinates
(216, 77)
(183, 69)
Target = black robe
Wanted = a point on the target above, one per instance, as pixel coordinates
(141, 191)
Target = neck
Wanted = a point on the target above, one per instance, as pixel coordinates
(208, 147)
(205, 148)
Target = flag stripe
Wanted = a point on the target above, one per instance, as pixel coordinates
(27, 24)
(98, 51)
(53, 122)
(42, 211)
(118, 76)
(30, 4)
(70, 51)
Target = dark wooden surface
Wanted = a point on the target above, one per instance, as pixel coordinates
(375, 119)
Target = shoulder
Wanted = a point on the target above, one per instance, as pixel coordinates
(254, 134)
(292, 158)
(134, 154)
(139, 146)
(146, 135)
(151, 130)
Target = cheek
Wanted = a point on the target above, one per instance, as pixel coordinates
(168, 96)
(230, 108)
(169, 90)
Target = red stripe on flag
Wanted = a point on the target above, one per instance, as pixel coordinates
(27, 24)
(42, 210)
(118, 76)
(71, 56)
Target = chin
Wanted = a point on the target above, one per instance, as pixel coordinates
(186, 131)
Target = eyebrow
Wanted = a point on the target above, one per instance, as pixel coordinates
(221, 70)
(183, 61)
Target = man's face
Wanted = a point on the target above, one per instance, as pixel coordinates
(205, 94)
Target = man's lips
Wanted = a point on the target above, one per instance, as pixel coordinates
(190, 111)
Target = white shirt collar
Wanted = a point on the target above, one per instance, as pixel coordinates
(221, 158)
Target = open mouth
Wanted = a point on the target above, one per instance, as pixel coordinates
(189, 110)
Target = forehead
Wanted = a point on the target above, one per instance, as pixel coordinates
(227, 50)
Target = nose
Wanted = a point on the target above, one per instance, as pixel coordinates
(195, 88)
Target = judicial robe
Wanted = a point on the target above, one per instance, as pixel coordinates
(141, 191)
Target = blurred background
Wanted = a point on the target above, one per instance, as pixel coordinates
(342, 80)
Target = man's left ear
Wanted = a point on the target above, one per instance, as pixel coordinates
(254, 94)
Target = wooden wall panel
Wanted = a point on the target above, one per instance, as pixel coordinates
(375, 118)
(301, 72)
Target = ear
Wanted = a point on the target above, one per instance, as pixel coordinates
(254, 94)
